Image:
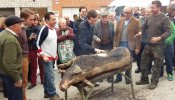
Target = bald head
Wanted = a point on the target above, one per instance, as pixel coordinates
(127, 12)
(128, 9)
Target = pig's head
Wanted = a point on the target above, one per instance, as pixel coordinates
(71, 76)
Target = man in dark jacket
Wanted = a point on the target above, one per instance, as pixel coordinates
(82, 17)
(84, 36)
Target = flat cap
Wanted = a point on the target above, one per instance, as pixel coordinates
(104, 13)
(11, 20)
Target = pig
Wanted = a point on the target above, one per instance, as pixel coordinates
(85, 67)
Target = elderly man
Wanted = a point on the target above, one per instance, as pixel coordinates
(11, 58)
(103, 33)
(127, 28)
(158, 29)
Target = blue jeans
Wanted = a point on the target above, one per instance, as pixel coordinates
(127, 72)
(49, 78)
(13, 93)
(169, 54)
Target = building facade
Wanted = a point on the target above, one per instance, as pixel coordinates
(13, 7)
(70, 7)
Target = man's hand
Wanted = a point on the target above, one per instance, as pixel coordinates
(98, 40)
(99, 51)
(137, 51)
(32, 36)
(45, 58)
(154, 40)
(114, 47)
(18, 84)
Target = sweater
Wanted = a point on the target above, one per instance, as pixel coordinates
(171, 38)
(10, 56)
(47, 42)
(157, 26)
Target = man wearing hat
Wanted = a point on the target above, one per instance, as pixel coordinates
(103, 33)
(11, 58)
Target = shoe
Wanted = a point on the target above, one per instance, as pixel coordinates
(117, 80)
(152, 86)
(170, 77)
(96, 85)
(142, 82)
(46, 95)
(109, 80)
(137, 70)
(55, 97)
(128, 81)
(31, 86)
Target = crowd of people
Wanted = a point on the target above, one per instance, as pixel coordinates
(26, 43)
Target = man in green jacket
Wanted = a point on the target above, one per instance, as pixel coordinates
(11, 58)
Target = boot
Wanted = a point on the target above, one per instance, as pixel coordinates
(152, 86)
(143, 81)
(56, 97)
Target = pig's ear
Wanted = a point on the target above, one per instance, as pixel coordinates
(77, 69)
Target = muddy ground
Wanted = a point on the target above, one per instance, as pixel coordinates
(164, 91)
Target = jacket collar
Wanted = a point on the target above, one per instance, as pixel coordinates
(52, 28)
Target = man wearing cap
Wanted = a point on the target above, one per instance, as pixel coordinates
(11, 58)
(103, 33)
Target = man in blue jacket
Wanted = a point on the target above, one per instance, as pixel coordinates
(84, 36)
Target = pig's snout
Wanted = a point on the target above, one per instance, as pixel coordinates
(64, 85)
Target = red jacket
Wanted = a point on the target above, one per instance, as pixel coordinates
(69, 36)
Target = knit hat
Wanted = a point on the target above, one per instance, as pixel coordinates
(11, 20)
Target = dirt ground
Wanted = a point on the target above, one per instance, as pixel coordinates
(164, 91)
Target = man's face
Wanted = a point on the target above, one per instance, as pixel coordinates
(29, 21)
(17, 28)
(154, 9)
(104, 19)
(171, 12)
(52, 21)
(92, 21)
(136, 10)
(111, 17)
(127, 14)
(143, 12)
(67, 20)
(83, 13)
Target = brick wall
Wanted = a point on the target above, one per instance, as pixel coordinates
(17, 4)
(90, 4)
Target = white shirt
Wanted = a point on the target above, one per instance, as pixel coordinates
(126, 22)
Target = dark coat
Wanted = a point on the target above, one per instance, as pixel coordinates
(83, 39)
(76, 24)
